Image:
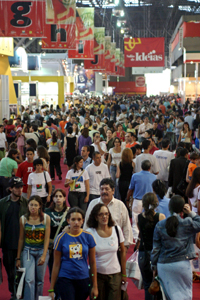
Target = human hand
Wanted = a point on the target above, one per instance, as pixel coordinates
(41, 260)
(18, 264)
(48, 198)
(186, 209)
(86, 199)
(51, 295)
(94, 292)
(66, 229)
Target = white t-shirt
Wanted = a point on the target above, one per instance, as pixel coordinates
(106, 251)
(2, 140)
(196, 195)
(163, 158)
(103, 147)
(146, 156)
(116, 157)
(80, 184)
(37, 180)
(96, 174)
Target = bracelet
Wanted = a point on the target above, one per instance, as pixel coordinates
(124, 275)
(17, 259)
(51, 291)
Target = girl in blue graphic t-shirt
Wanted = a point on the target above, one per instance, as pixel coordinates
(71, 250)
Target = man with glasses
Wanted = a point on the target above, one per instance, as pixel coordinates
(116, 207)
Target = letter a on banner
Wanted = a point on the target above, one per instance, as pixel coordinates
(84, 34)
(99, 50)
(22, 18)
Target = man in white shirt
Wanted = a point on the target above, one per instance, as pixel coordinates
(99, 123)
(96, 171)
(146, 145)
(32, 134)
(144, 127)
(164, 158)
(3, 143)
(99, 146)
(116, 207)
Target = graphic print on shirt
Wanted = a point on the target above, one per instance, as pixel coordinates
(30, 170)
(77, 185)
(39, 187)
(75, 251)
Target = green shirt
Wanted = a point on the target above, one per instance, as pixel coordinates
(4, 205)
(7, 165)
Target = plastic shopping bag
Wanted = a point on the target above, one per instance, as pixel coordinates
(19, 282)
(132, 267)
(44, 298)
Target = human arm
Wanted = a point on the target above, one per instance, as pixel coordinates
(161, 217)
(187, 176)
(20, 159)
(129, 194)
(29, 189)
(179, 138)
(118, 172)
(55, 271)
(46, 241)
(15, 171)
(20, 243)
(92, 262)
(76, 144)
(87, 187)
(60, 149)
(49, 191)
(67, 182)
(125, 226)
(123, 261)
(65, 145)
(109, 160)
(101, 147)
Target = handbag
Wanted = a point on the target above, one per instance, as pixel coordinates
(154, 287)
(46, 184)
(72, 185)
(51, 241)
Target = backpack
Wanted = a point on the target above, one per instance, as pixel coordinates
(42, 138)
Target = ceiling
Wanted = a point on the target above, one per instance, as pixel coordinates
(147, 18)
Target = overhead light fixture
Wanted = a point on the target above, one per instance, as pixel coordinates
(122, 31)
(118, 24)
(30, 38)
(116, 2)
(82, 64)
(122, 13)
(40, 42)
(191, 62)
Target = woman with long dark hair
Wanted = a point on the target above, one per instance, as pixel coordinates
(193, 191)
(110, 274)
(185, 134)
(8, 167)
(34, 236)
(79, 195)
(55, 153)
(173, 248)
(147, 221)
(70, 147)
(44, 156)
(160, 190)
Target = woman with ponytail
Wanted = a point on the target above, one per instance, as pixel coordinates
(146, 224)
(173, 248)
(55, 152)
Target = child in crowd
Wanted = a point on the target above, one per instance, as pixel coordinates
(20, 140)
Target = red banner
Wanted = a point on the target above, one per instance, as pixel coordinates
(22, 18)
(99, 50)
(144, 52)
(60, 12)
(84, 48)
(191, 29)
(59, 36)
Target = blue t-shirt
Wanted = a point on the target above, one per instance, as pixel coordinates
(163, 206)
(141, 183)
(74, 251)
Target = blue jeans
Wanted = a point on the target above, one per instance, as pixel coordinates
(34, 277)
(113, 170)
(147, 273)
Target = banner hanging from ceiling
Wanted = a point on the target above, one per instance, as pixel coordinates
(84, 80)
(117, 61)
(144, 52)
(107, 53)
(99, 50)
(22, 18)
(112, 59)
(84, 48)
(60, 12)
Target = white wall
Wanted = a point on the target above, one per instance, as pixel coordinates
(158, 82)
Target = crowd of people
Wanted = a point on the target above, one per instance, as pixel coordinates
(133, 178)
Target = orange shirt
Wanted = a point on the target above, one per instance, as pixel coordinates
(62, 125)
(191, 168)
(131, 145)
(163, 108)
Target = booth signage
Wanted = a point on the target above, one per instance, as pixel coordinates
(22, 18)
(144, 52)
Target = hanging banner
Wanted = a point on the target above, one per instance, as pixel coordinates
(121, 64)
(60, 12)
(22, 18)
(112, 59)
(123, 68)
(84, 48)
(84, 80)
(99, 51)
(117, 60)
(59, 36)
(107, 53)
(144, 52)
(191, 29)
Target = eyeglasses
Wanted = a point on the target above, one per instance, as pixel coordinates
(101, 215)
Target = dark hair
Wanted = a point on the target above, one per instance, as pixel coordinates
(146, 144)
(43, 153)
(86, 146)
(183, 152)
(32, 143)
(95, 133)
(76, 161)
(149, 203)
(176, 205)
(108, 181)
(13, 145)
(39, 200)
(145, 165)
(116, 138)
(94, 153)
(54, 136)
(30, 149)
(138, 146)
(85, 132)
(12, 152)
(52, 206)
(165, 143)
(194, 181)
(49, 123)
(159, 188)
(92, 222)
(37, 161)
(69, 130)
(34, 126)
(181, 144)
(194, 156)
(75, 210)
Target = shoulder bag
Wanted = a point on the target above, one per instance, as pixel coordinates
(72, 185)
